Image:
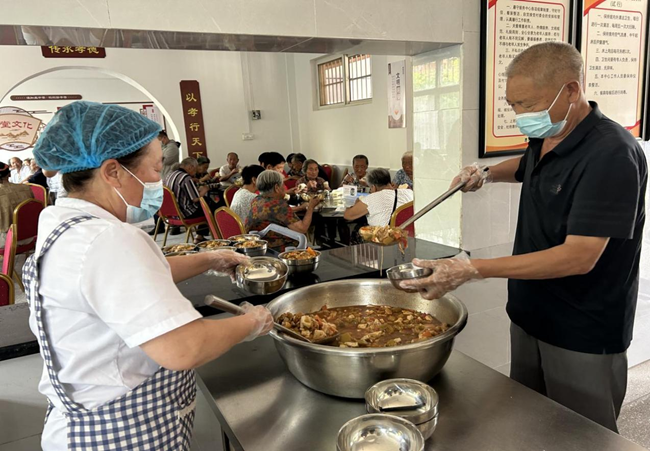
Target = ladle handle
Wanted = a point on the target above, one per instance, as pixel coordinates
(222, 304)
(434, 203)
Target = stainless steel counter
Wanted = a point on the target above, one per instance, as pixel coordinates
(263, 407)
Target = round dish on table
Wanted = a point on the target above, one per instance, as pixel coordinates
(301, 261)
(179, 249)
(214, 245)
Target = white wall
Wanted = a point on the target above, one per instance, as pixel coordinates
(227, 94)
(336, 134)
(92, 86)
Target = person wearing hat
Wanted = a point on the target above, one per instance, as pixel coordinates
(118, 339)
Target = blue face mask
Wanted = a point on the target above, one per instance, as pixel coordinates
(152, 199)
(538, 124)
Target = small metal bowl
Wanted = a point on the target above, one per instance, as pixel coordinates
(186, 248)
(180, 253)
(409, 399)
(407, 271)
(379, 432)
(257, 251)
(245, 237)
(300, 266)
(262, 275)
(218, 244)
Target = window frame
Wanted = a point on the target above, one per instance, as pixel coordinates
(346, 82)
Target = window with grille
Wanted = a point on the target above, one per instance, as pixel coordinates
(344, 80)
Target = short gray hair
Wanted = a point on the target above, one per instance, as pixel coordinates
(189, 162)
(379, 177)
(407, 154)
(548, 64)
(268, 180)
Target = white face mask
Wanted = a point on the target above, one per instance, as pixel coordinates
(152, 199)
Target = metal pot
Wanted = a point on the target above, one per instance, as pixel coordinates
(348, 372)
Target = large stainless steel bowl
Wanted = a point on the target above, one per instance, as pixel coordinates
(349, 372)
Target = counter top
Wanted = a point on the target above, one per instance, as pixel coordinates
(263, 407)
(362, 260)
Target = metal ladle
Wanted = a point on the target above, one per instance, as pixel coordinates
(229, 307)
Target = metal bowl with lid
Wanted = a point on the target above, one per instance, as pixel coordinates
(261, 275)
(412, 400)
(378, 432)
(348, 372)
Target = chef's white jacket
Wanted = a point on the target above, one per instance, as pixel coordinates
(106, 289)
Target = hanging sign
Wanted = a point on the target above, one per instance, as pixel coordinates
(72, 51)
(193, 116)
(46, 97)
(509, 27)
(18, 129)
(613, 47)
(396, 94)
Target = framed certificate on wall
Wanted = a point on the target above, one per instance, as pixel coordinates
(508, 28)
(613, 43)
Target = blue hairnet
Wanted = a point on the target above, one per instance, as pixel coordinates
(82, 135)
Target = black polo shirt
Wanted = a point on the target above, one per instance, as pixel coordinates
(592, 184)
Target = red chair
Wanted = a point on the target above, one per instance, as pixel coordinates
(26, 216)
(6, 290)
(213, 173)
(328, 170)
(401, 215)
(228, 223)
(9, 256)
(40, 193)
(208, 215)
(229, 194)
(170, 214)
(291, 183)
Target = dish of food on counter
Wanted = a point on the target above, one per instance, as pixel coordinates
(214, 244)
(179, 248)
(385, 235)
(301, 255)
(249, 244)
(242, 238)
(365, 326)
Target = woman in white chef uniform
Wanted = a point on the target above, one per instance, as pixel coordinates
(118, 339)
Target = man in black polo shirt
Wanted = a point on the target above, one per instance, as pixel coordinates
(574, 275)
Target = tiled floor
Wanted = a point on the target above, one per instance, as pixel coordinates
(486, 338)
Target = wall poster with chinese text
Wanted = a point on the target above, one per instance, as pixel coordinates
(396, 94)
(508, 28)
(193, 117)
(613, 45)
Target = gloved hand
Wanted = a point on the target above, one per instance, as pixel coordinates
(448, 274)
(225, 261)
(261, 320)
(475, 177)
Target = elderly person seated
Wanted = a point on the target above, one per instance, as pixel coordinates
(296, 166)
(11, 195)
(37, 177)
(19, 170)
(230, 173)
(405, 175)
(270, 207)
(358, 177)
(187, 194)
(381, 203)
(311, 180)
(241, 201)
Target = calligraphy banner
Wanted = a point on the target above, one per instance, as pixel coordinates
(613, 45)
(508, 28)
(396, 94)
(72, 51)
(193, 116)
(18, 129)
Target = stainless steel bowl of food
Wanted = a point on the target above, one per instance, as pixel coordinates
(252, 248)
(301, 261)
(261, 275)
(379, 432)
(179, 249)
(409, 399)
(349, 371)
(406, 271)
(213, 245)
(245, 237)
